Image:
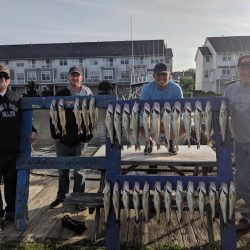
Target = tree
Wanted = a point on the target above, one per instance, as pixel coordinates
(31, 88)
(187, 84)
(105, 87)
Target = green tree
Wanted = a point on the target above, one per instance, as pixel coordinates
(187, 84)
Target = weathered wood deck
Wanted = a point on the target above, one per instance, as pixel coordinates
(45, 224)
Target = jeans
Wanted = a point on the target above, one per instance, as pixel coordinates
(79, 180)
(242, 177)
(9, 174)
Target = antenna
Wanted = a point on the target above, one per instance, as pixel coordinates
(132, 49)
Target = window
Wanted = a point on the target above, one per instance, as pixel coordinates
(63, 62)
(20, 77)
(93, 62)
(206, 74)
(207, 58)
(125, 75)
(226, 72)
(64, 76)
(108, 74)
(31, 76)
(124, 61)
(48, 63)
(226, 58)
(20, 64)
(45, 75)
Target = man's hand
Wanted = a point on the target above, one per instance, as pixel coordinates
(33, 136)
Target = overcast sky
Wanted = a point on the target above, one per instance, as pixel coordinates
(183, 24)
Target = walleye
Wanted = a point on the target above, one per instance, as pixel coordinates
(126, 123)
(145, 200)
(146, 122)
(187, 121)
(166, 121)
(176, 121)
(93, 111)
(223, 201)
(223, 120)
(116, 201)
(197, 122)
(125, 198)
(201, 198)
(168, 200)
(232, 199)
(157, 200)
(208, 120)
(106, 201)
(109, 121)
(85, 115)
(155, 123)
(212, 198)
(190, 199)
(54, 116)
(179, 199)
(78, 116)
(62, 117)
(135, 125)
(136, 200)
(118, 124)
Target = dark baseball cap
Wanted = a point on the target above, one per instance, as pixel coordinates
(161, 68)
(75, 69)
(4, 69)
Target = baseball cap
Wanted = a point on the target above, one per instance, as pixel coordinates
(4, 69)
(161, 68)
(75, 69)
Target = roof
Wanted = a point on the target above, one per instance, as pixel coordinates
(205, 51)
(230, 43)
(84, 49)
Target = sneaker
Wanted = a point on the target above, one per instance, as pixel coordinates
(242, 225)
(76, 226)
(148, 149)
(172, 148)
(55, 203)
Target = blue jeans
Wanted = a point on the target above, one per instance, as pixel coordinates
(79, 180)
(242, 177)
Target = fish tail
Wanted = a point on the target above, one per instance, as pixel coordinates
(158, 146)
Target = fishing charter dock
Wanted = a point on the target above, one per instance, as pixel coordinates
(44, 225)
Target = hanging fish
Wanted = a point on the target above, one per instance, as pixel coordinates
(126, 123)
(136, 201)
(198, 121)
(187, 119)
(190, 198)
(93, 111)
(116, 201)
(166, 121)
(106, 201)
(118, 124)
(109, 121)
(168, 200)
(212, 198)
(201, 198)
(223, 120)
(223, 201)
(85, 115)
(54, 116)
(145, 200)
(155, 123)
(176, 121)
(135, 125)
(78, 116)
(157, 200)
(232, 199)
(125, 198)
(62, 116)
(208, 120)
(146, 122)
(179, 199)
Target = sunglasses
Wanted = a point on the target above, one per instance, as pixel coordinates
(4, 75)
(75, 74)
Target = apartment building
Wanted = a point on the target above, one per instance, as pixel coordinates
(216, 62)
(119, 62)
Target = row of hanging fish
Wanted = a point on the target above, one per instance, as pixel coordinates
(126, 123)
(84, 113)
(226, 198)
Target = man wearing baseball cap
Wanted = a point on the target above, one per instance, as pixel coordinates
(161, 88)
(10, 124)
(70, 144)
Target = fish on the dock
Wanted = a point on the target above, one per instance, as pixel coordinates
(118, 124)
(223, 117)
(135, 125)
(223, 201)
(157, 200)
(146, 122)
(179, 199)
(62, 116)
(106, 201)
(145, 200)
(166, 121)
(136, 200)
(93, 111)
(187, 119)
(125, 198)
(168, 200)
(126, 123)
(85, 115)
(198, 121)
(190, 198)
(208, 120)
(78, 116)
(109, 121)
(201, 198)
(176, 122)
(54, 115)
(232, 199)
(156, 123)
(212, 198)
(116, 201)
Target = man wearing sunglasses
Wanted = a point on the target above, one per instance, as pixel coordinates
(70, 144)
(239, 105)
(10, 125)
(161, 88)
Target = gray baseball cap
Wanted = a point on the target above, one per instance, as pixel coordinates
(4, 69)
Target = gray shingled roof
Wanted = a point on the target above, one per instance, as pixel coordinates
(205, 51)
(227, 44)
(84, 49)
